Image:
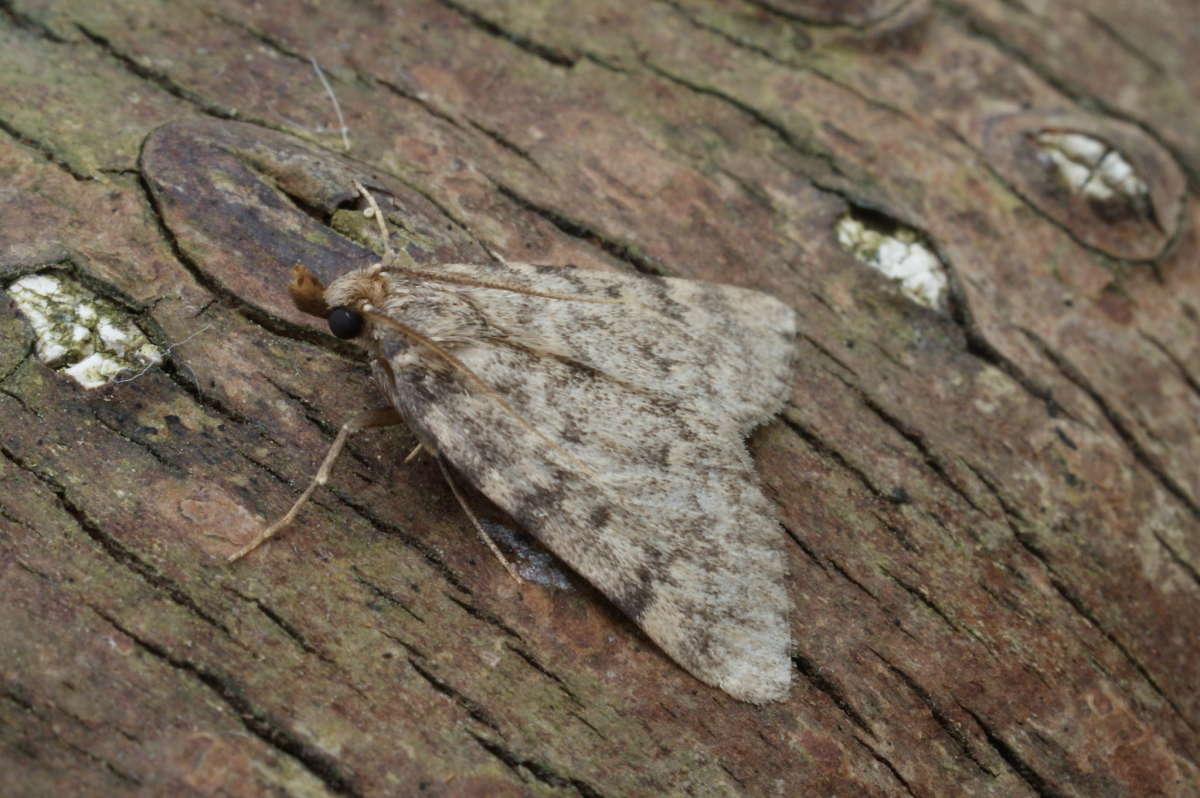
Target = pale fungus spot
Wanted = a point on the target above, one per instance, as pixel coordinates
(900, 255)
(86, 337)
(1089, 167)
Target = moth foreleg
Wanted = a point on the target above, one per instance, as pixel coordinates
(390, 256)
(373, 207)
(368, 418)
(487, 539)
(413, 454)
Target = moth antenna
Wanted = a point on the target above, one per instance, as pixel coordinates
(487, 539)
(386, 417)
(390, 255)
(463, 369)
(456, 280)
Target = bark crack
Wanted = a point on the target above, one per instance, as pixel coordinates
(284, 625)
(48, 724)
(822, 683)
(622, 252)
(1125, 44)
(1080, 608)
(314, 416)
(428, 552)
(902, 537)
(1188, 377)
(385, 595)
(938, 714)
(729, 772)
(588, 725)
(404, 644)
(980, 347)
(800, 42)
(777, 128)
(263, 38)
(255, 721)
(28, 23)
(483, 615)
(1124, 433)
(16, 397)
(729, 37)
(312, 413)
(825, 450)
(202, 399)
(923, 599)
(804, 547)
(554, 677)
(152, 76)
(1178, 559)
(1012, 514)
(815, 344)
(540, 771)
(116, 550)
(1014, 761)
(29, 352)
(412, 97)
(1015, 522)
(469, 705)
(920, 595)
(881, 759)
(43, 149)
(505, 144)
(171, 467)
(7, 515)
(846, 575)
(794, 16)
(19, 690)
(272, 472)
(1004, 600)
(551, 55)
(917, 440)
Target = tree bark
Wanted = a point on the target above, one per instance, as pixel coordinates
(991, 501)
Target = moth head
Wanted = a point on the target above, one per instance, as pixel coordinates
(341, 305)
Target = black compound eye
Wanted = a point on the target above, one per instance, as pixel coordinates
(345, 322)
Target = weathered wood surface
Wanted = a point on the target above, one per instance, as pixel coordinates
(993, 514)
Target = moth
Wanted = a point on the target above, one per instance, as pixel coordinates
(607, 414)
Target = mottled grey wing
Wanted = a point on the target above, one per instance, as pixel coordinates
(613, 432)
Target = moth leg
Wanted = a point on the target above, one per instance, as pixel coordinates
(413, 454)
(389, 254)
(475, 522)
(369, 418)
(378, 214)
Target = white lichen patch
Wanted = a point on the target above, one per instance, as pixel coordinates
(900, 255)
(84, 336)
(1089, 167)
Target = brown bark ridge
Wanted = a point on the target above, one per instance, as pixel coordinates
(991, 505)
